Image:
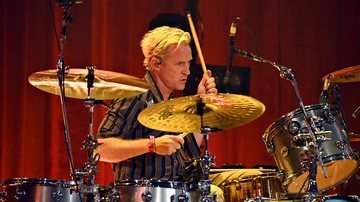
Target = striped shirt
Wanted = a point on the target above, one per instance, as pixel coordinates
(121, 121)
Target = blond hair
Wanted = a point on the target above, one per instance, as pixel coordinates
(156, 41)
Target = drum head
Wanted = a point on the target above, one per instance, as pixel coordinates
(337, 171)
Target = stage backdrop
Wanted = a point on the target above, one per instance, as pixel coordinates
(313, 38)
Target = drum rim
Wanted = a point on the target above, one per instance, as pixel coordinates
(38, 181)
(262, 175)
(335, 196)
(150, 183)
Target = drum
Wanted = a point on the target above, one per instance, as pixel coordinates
(154, 191)
(335, 198)
(257, 187)
(340, 162)
(40, 190)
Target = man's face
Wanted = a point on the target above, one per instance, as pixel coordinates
(175, 67)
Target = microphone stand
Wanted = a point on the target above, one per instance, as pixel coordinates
(61, 72)
(313, 143)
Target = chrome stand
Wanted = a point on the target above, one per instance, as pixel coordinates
(86, 176)
(312, 143)
(206, 159)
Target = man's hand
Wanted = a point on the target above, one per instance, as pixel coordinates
(168, 144)
(207, 84)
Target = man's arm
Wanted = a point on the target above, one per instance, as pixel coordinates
(114, 150)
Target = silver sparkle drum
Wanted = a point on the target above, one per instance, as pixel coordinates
(154, 191)
(39, 190)
(265, 186)
(340, 162)
(337, 198)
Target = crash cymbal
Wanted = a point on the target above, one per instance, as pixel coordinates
(350, 74)
(221, 111)
(107, 85)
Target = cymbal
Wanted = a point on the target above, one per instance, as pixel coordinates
(221, 111)
(350, 74)
(107, 85)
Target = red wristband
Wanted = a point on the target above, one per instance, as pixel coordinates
(151, 144)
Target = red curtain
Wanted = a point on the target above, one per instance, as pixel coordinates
(313, 38)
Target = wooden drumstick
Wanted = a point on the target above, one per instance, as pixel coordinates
(196, 40)
(183, 134)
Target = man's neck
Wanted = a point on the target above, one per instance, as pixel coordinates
(165, 92)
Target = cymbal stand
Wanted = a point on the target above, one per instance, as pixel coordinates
(312, 143)
(206, 159)
(86, 176)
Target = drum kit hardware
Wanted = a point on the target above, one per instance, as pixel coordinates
(311, 145)
(287, 139)
(213, 112)
(317, 133)
(203, 113)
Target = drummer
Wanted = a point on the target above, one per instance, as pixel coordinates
(136, 151)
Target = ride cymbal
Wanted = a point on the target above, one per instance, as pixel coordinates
(221, 111)
(350, 74)
(107, 85)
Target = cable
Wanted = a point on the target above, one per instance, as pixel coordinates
(53, 25)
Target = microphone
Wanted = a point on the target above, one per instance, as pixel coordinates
(232, 33)
(232, 36)
(325, 94)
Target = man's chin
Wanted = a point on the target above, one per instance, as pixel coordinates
(180, 88)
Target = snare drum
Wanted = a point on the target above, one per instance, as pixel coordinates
(263, 186)
(39, 190)
(339, 160)
(154, 191)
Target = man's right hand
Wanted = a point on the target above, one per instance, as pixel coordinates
(168, 144)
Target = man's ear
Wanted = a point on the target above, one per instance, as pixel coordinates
(155, 63)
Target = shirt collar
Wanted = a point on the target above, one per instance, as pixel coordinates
(157, 96)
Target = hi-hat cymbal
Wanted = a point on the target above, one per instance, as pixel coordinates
(221, 111)
(107, 85)
(350, 74)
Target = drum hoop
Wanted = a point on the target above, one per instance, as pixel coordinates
(336, 157)
(150, 183)
(38, 181)
(260, 176)
(353, 198)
